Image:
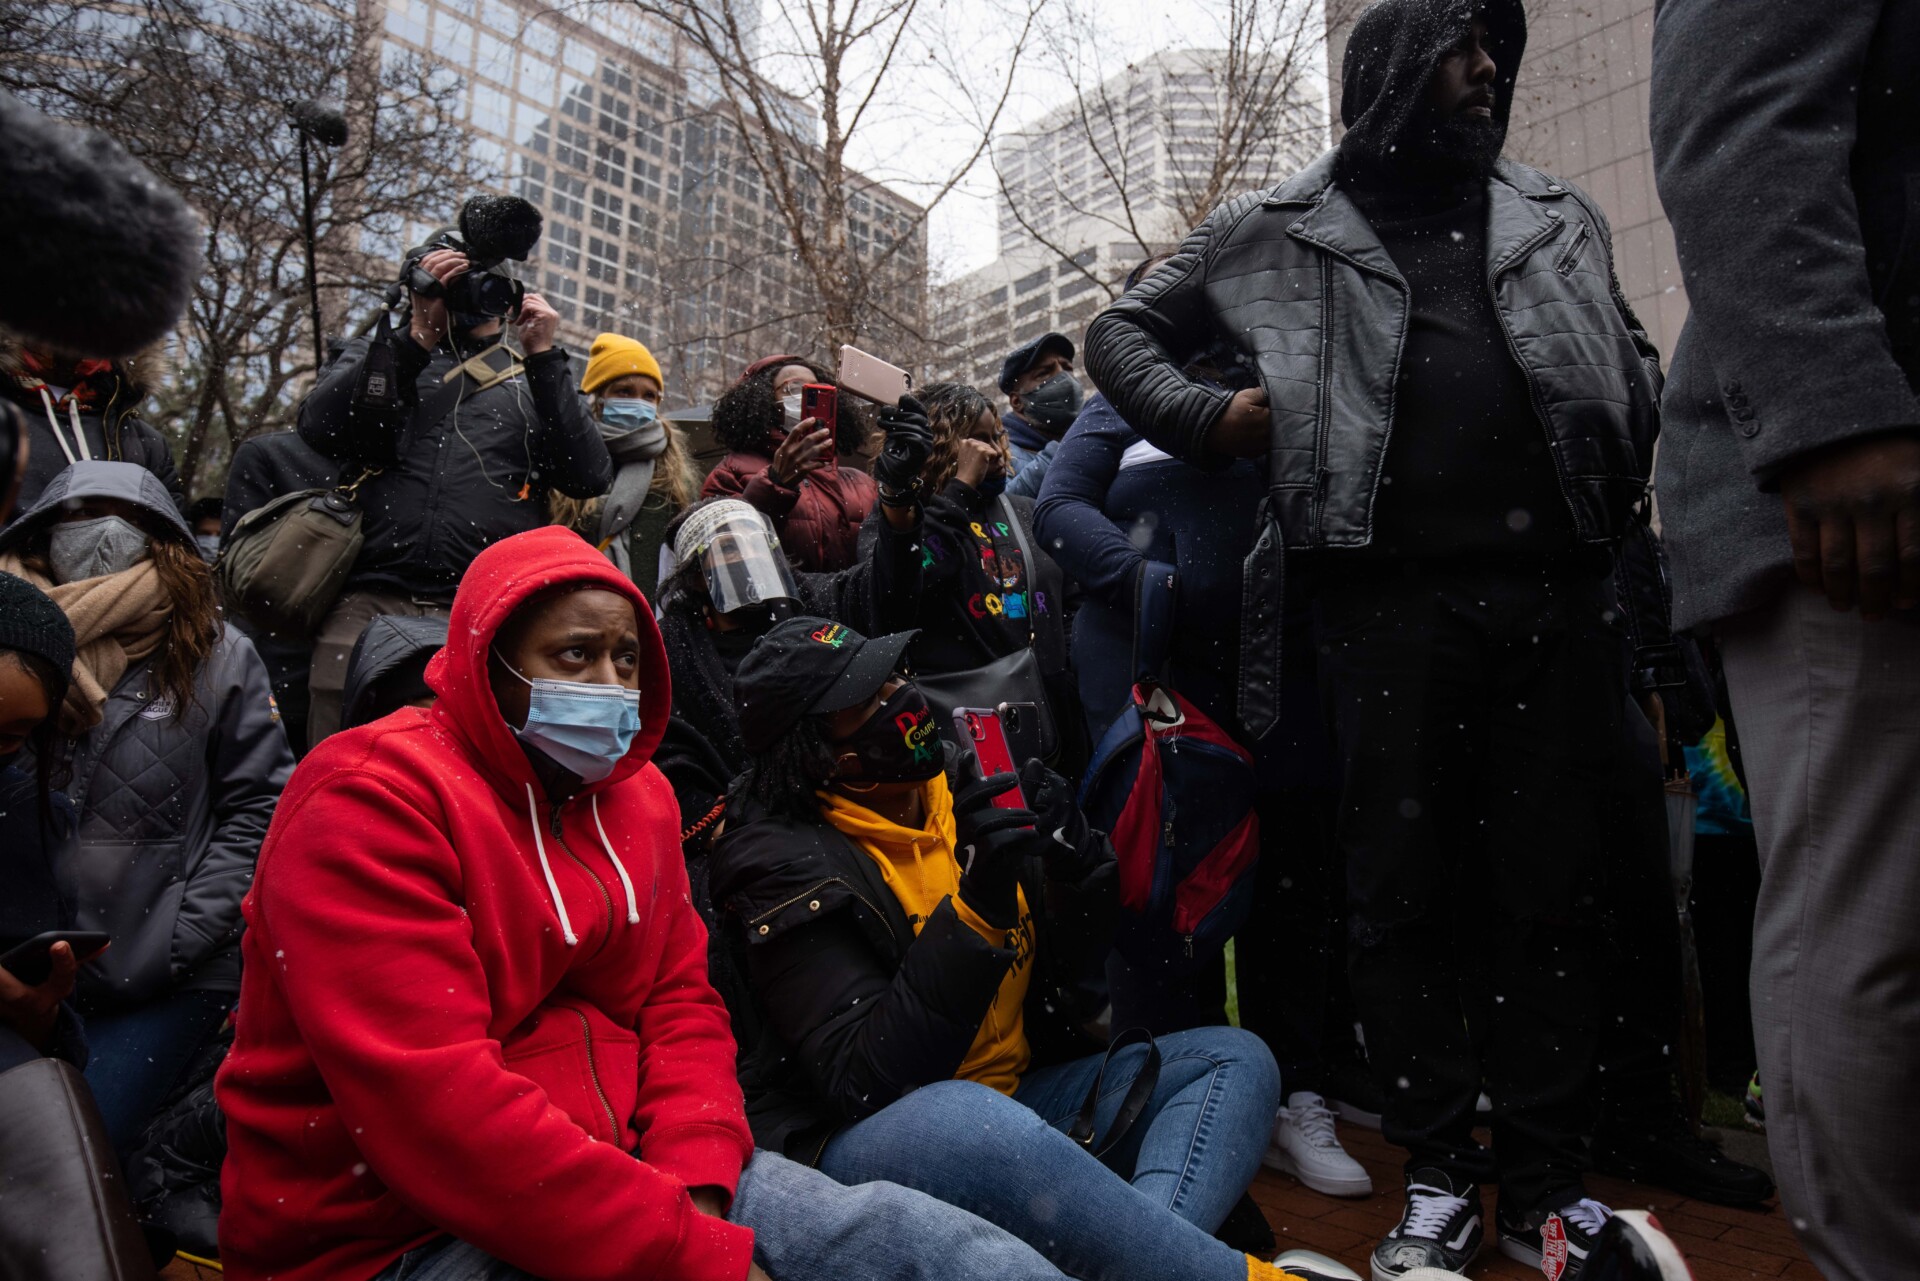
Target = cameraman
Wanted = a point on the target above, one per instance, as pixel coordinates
(460, 462)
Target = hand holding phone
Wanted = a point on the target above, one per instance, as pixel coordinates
(981, 727)
(807, 448)
(33, 960)
(30, 1002)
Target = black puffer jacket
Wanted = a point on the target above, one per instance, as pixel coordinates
(475, 474)
(855, 1010)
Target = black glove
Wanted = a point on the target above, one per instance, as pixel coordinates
(991, 842)
(904, 456)
(1068, 838)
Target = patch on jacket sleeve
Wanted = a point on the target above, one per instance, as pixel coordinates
(273, 707)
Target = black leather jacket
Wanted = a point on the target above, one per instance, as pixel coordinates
(855, 1009)
(1296, 282)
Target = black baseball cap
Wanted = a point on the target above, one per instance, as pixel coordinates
(809, 667)
(1027, 355)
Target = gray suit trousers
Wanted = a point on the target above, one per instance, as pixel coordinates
(1827, 710)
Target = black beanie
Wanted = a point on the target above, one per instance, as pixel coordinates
(31, 623)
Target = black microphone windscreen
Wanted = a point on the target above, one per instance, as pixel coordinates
(497, 227)
(101, 256)
(319, 121)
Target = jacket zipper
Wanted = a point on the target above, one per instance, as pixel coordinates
(606, 898)
(1526, 370)
(593, 1074)
(1564, 263)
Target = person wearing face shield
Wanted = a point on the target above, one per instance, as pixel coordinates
(172, 741)
(653, 477)
(790, 467)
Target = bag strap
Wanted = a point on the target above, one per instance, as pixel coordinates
(1027, 566)
(1139, 1094)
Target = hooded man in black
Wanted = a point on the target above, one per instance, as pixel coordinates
(1458, 411)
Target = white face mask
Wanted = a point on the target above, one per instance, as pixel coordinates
(94, 548)
(791, 405)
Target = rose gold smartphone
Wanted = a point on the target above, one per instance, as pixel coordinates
(872, 377)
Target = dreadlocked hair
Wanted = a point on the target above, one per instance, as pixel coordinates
(953, 409)
(782, 780)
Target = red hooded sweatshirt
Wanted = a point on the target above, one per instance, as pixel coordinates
(422, 1051)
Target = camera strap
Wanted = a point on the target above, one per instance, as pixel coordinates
(488, 368)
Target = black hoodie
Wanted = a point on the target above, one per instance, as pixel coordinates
(1467, 474)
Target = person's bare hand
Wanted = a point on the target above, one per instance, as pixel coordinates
(976, 460)
(430, 314)
(1853, 518)
(1243, 430)
(806, 449)
(31, 1011)
(537, 325)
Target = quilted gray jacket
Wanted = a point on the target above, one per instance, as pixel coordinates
(1296, 282)
(172, 814)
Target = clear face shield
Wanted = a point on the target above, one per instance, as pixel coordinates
(743, 566)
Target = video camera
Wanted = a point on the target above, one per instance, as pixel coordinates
(492, 229)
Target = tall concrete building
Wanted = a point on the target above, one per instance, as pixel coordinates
(656, 223)
(1092, 187)
(1580, 112)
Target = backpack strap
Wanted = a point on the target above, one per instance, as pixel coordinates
(1139, 1094)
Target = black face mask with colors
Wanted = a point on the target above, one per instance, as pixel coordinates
(897, 744)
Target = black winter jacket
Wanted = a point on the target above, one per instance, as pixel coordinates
(474, 475)
(855, 1010)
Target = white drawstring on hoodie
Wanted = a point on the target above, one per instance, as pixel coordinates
(73, 416)
(553, 886)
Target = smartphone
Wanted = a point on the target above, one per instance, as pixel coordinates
(981, 727)
(872, 377)
(32, 961)
(821, 402)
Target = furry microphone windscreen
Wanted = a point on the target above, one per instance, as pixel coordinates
(497, 227)
(101, 257)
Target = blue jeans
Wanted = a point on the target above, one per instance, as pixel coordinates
(1193, 1152)
(806, 1227)
(138, 1055)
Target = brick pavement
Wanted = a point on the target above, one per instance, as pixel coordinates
(1721, 1244)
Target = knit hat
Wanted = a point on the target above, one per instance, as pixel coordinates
(614, 356)
(32, 624)
(767, 362)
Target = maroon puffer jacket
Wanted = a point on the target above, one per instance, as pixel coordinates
(818, 520)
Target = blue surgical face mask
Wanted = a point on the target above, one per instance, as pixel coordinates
(627, 415)
(583, 728)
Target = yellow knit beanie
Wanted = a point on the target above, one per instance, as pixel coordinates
(614, 356)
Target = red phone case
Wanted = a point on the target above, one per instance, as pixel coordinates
(981, 726)
(821, 403)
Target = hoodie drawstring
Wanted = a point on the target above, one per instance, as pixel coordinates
(59, 438)
(633, 908)
(553, 886)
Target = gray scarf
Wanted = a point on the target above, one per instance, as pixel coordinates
(634, 454)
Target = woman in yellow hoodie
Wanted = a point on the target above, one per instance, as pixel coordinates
(925, 964)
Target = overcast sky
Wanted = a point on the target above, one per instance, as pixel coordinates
(923, 128)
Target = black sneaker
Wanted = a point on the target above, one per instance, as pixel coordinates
(1440, 1228)
(1634, 1247)
(1557, 1241)
(1666, 1154)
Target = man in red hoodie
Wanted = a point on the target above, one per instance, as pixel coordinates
(476, 1039)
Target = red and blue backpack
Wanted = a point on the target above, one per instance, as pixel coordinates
(1175, 794)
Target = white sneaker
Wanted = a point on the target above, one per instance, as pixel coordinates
(1305, 1146)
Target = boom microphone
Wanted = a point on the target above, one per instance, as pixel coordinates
(101, 256)
(320, 122)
